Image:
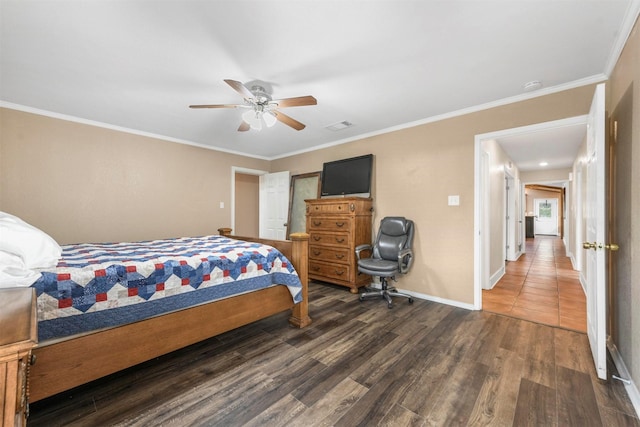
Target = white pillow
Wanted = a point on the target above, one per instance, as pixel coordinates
(36, 248)
(13, 272)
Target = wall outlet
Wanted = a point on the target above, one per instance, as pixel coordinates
(454, 200)
(221, 205)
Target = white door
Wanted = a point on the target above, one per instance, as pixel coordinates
(595, 224)
(274, 205)
(546, 214)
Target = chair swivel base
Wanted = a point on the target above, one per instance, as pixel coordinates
(386, 294)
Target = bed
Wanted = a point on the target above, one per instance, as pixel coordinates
(64, 360)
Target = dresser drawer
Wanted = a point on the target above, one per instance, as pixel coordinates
(331, 208)
(331, 254)
(329, 223)
(335, 239)
(329, 270)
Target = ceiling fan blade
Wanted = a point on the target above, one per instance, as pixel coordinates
(299, 101)
(217, 106)
(240, 88)
(244, 126)
(288, 120)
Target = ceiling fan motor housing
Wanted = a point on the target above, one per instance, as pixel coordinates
(260, 94)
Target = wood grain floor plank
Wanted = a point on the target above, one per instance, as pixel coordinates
(283, 413)
(327, 379)
(399, 416)
(536, 405)
(573, 351)
(497, 399)
(489, 338)
(577, 405)
(330, 408)
(435, 376)
(454, 405)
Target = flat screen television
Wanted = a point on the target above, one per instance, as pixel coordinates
(347, 177)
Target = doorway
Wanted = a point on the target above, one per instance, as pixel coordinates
(543, 273)
(269, 211)
(244, 212)
(546, 216)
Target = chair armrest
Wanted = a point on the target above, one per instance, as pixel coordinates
(361, 248)
(405, 259)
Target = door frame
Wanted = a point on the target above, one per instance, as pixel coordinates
(481, 233)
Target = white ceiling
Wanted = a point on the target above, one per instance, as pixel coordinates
(558, 147)
(382, 65)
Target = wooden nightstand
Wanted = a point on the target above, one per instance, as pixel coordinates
(18, 335)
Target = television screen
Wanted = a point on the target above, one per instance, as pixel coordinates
(347, 176)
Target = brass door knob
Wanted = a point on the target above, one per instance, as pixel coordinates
(612, 247)
(588, 245)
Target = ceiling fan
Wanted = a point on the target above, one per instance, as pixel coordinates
(261, 108)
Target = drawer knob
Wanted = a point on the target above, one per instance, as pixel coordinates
(340, 224)
(339, 272)
(315, 268)
(340, 240)
(316, 253)
(317, 238)
(317, 223)
(339, 256)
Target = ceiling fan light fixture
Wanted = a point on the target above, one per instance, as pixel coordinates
(252, 117)
(269, 119)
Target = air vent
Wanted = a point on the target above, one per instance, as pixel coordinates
(339, 126)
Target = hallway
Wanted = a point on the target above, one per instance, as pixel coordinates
(541, 286)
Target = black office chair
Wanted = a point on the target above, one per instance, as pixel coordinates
(391, 254)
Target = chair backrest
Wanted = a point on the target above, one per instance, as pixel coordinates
(395, 234)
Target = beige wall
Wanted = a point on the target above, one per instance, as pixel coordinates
(625, 82)
(247, 200)
(417, 168)
(83, 183)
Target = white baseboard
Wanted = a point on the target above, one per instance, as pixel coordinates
(632, 390)
(438, 300)
(495, 277)
(583, 282)
(418, 295)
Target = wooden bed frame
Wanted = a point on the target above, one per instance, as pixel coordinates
(65, 364)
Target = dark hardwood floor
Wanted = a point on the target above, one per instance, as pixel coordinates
(360, 364)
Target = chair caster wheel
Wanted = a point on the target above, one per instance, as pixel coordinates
(410, 300)
(361, 298)
(390, 306)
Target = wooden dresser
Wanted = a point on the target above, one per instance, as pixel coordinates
(336, 227)
(18, 335)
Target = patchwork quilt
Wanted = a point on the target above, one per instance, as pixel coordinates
(110, 284)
